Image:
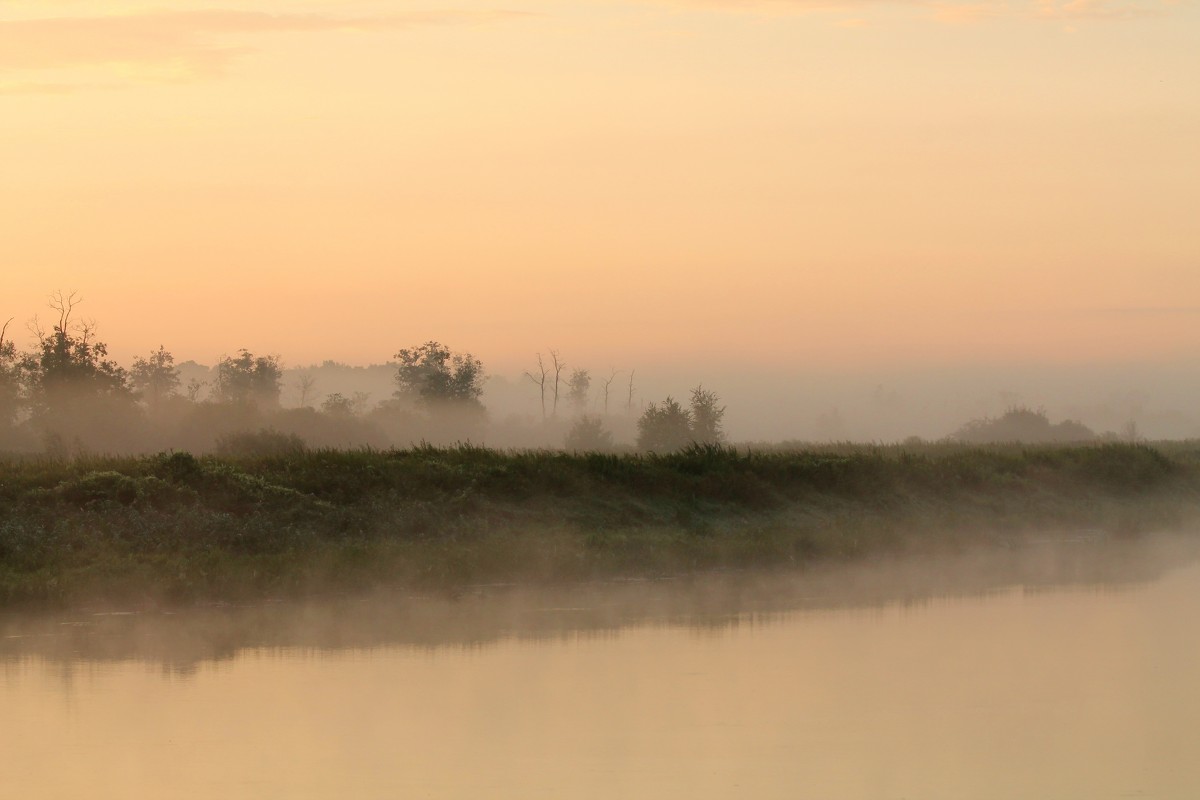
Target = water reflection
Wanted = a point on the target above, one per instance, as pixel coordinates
(179, 639)
(1058, 672)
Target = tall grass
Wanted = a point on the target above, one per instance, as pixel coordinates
(175, 527)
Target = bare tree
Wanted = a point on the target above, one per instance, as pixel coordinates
(194, 388)
(612, 375)
(559, 366)
(307, 385)
(540, 381)
(64, 303)
(629, 400)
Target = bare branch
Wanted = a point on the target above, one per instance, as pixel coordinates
(540, 381)
(307, 384)
(64, 303)
(34, 326)
(612, 374)
(559, 366)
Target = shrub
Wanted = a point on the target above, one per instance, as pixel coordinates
(265, 442)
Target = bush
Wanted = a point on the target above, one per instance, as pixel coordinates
(665, 428)
(266, 442)
(588, 435)
(1020, 424)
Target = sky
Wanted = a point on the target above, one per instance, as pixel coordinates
(743, 184)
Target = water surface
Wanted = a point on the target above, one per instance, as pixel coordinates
(1065, 671)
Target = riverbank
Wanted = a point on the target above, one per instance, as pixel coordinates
(174, 528)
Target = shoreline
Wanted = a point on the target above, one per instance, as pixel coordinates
(173, 529)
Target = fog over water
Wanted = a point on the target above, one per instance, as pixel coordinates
(1065, 671)
(180, 639)
(272, 249)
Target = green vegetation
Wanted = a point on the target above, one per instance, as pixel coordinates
(1020, 424)
(174, 527)
(671, 427)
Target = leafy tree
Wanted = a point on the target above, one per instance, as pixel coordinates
(578, 386)
(78, 398)
(707, 417)
(664, 428)
(249, 380)
(433, 376)
(671, 427)
(1021, 424)
(155, 378)
(68, 367)
(338, 405)
(588, 435)
(10, 385)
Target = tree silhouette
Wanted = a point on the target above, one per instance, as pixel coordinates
(249, 380)
(156, 377)
(434, 375)
(578, 386)
(664, 428)
(707, 417)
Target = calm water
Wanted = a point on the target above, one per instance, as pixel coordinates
(1068, 671)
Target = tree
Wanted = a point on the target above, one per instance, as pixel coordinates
(194, 387)
(156, 377)
(1021, 424)
(78, 398)
(607, 384)
(671, 427)
(706, 417)
(68, 368)
(10, 383)
(249, 380)
(539, 380)
(559, 366)
(433, 375)
(578, 386)
(338, 405)
(306, 384)
(588, 435)
(665, 428)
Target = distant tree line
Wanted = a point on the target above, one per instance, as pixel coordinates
(1021, 424)
(65, 395)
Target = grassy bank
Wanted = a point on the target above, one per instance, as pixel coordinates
(173, 528)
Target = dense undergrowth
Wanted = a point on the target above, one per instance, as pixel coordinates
(174, 528)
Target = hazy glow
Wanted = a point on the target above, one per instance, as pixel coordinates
(815, 182)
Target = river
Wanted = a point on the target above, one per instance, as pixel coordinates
(1068, 669)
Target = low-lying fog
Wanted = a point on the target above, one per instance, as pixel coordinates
(62, 392)
(486, 613)
(1066, 670)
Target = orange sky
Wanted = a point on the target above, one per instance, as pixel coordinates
(810, 182)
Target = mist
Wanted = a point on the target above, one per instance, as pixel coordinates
(895, 667)
(63, 394)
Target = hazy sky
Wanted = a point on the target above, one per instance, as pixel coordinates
(809, 182)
